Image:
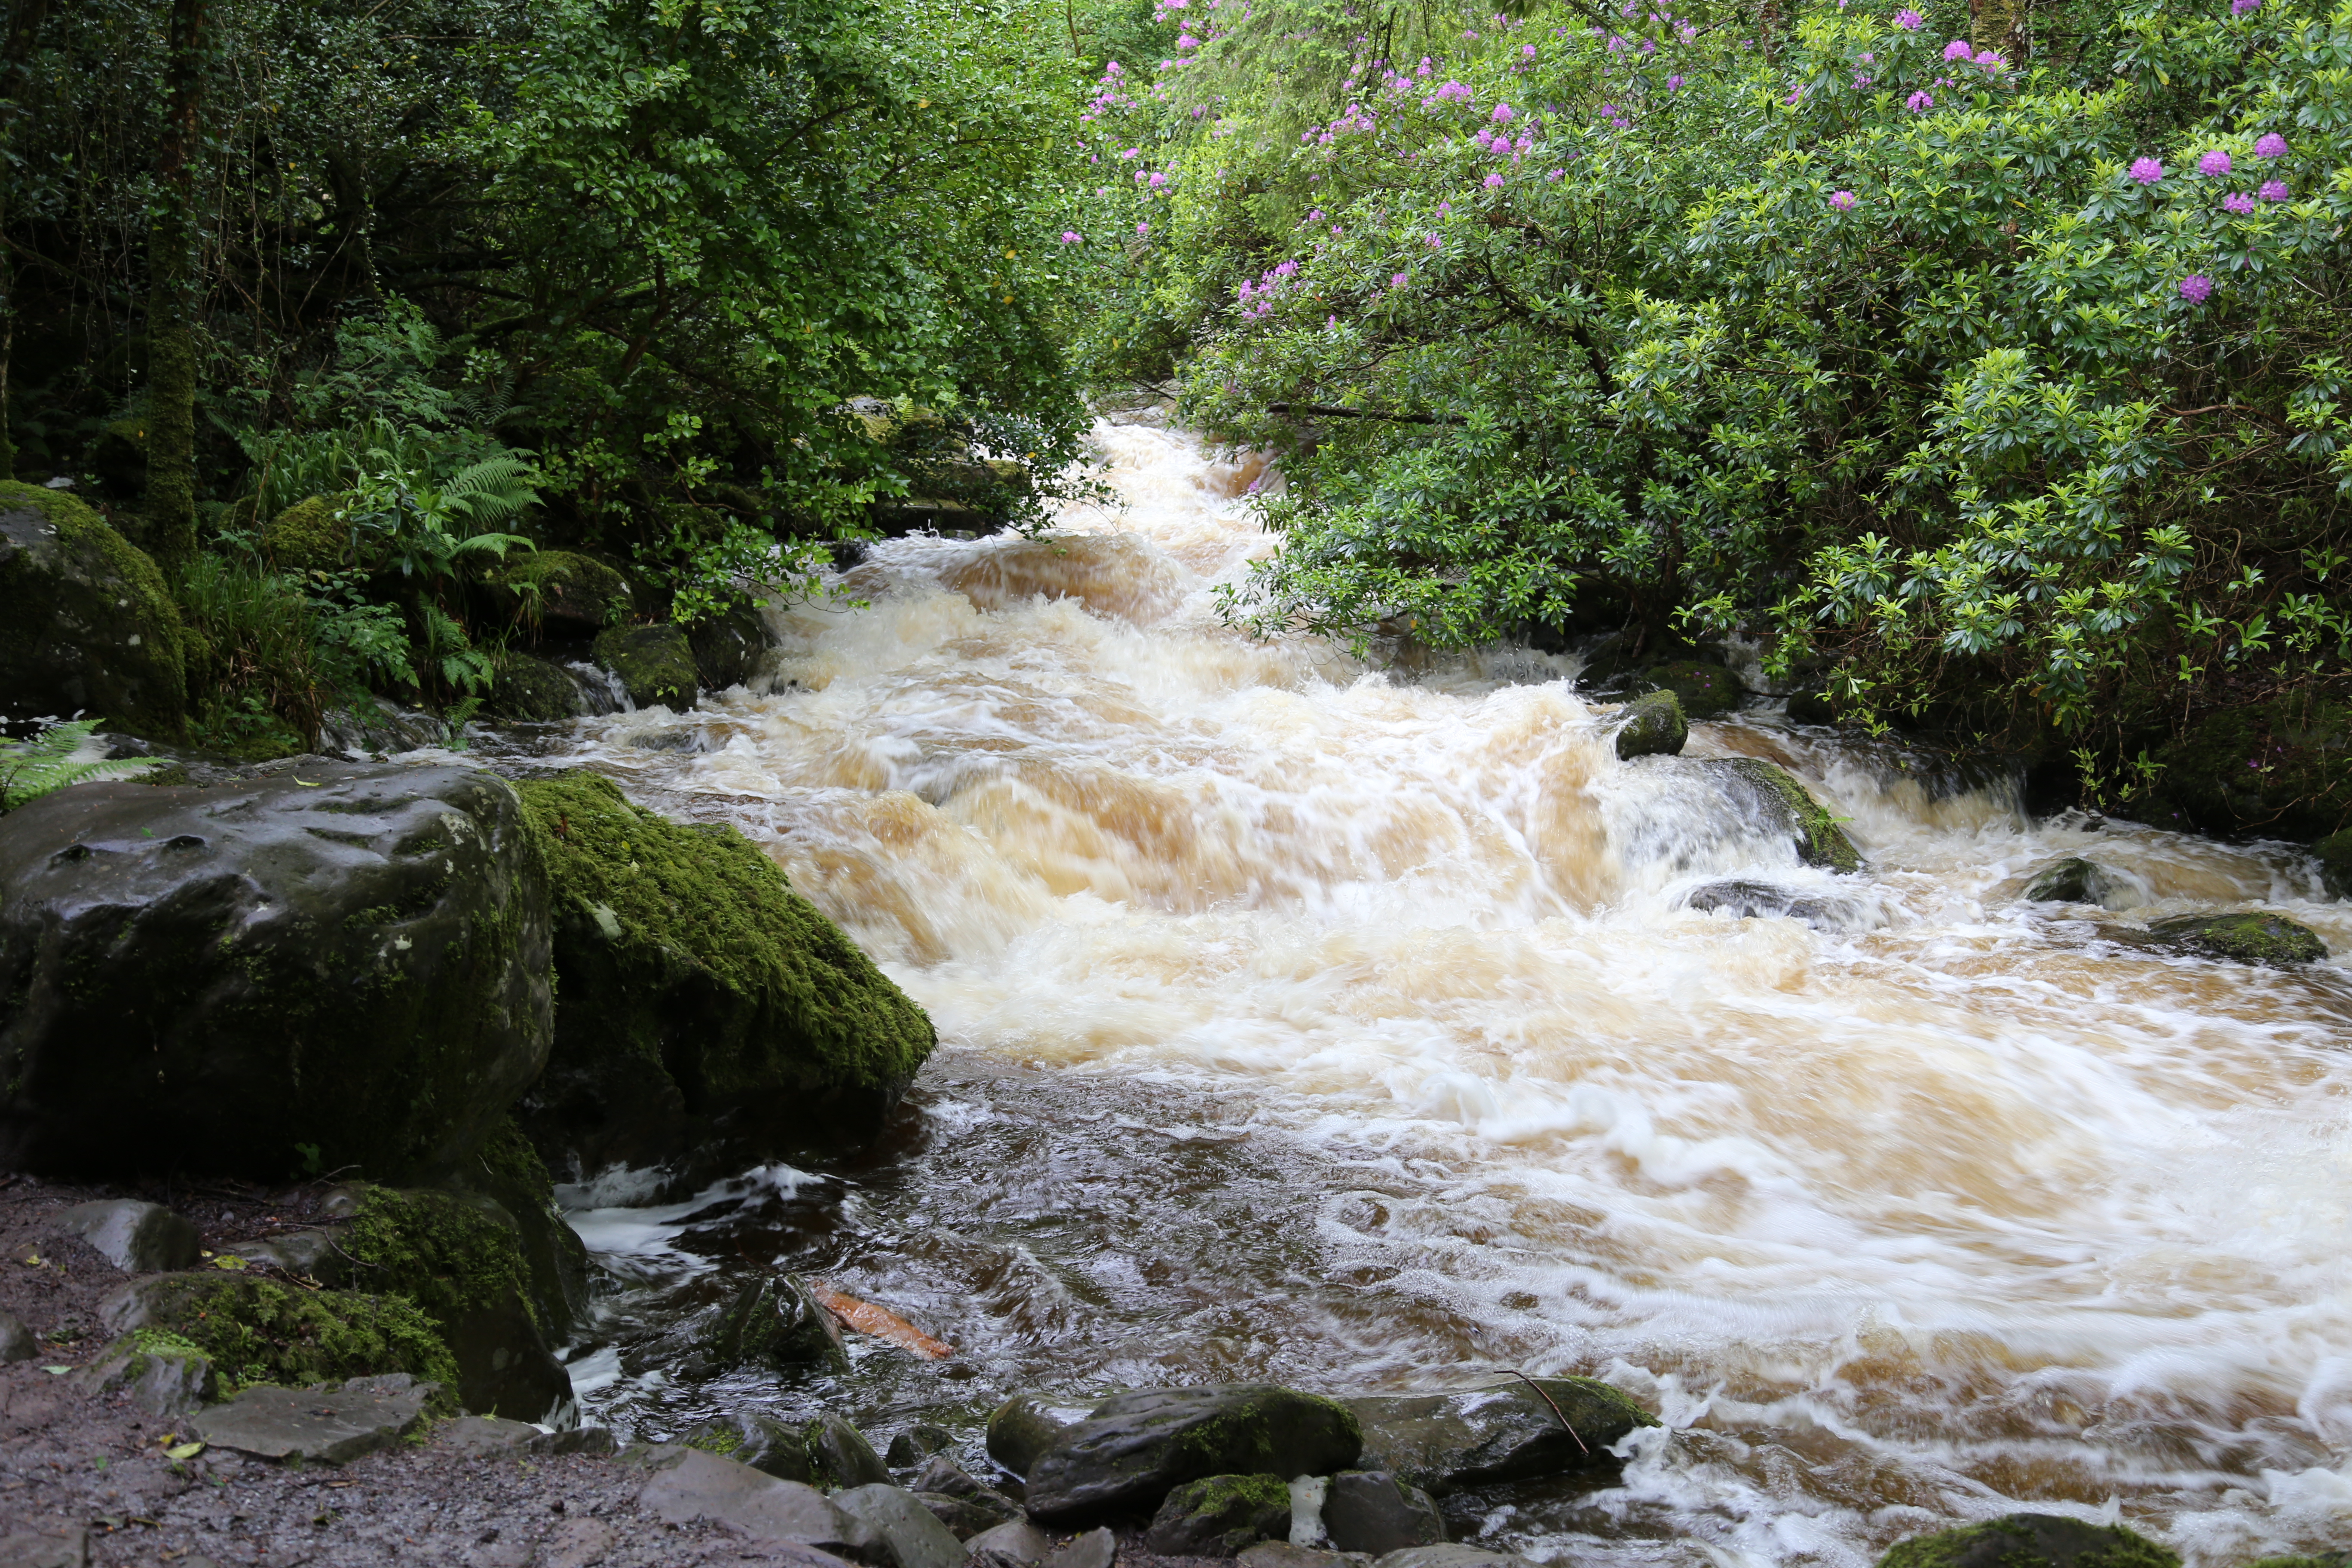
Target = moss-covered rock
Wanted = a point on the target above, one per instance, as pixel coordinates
(727, 646)
(256, 1331)
(1703, 689)
(1651, 726)
(1775, 795)
(2268, 939)
(2335, 856)
(1218, 1515)
(87, 625)
(1134, 1449)
(311, 535)
(656, 665)
(1445, 1441)
(509, 1170)
(839, 1455)
(761, 1442)
(774, 1322)
(2030, 1541)
(336, 967)
(530, 690)
(558, 592)
(702, 998)
(2281, 768)
(160, 1372)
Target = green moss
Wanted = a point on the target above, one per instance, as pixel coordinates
(1820, 840)
(2030, 1541)
(2281, 767)
(687, 953)
(439, 1249)
(89, 610)
(2244, 939)
(509, 1170)
(532, 690)
(1652, 725)
(2335, 855)
(259, 1331)
(1704, 689)
(714, 1437)
(1220, 1494)
(311, 535)
(655, 664)
(1247, 1433)
(559, 589)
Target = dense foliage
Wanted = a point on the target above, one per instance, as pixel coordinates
(1997, 381)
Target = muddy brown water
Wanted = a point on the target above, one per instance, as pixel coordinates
(1311, 1021)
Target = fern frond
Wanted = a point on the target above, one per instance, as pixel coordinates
(48, 762)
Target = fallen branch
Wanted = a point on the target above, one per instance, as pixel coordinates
(868, 1319)
(1555, 1410)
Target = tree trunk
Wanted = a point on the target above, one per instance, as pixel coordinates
(1999, 25)
(23, 28)
(171, 305)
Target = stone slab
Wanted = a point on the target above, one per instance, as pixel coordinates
(917, 1538)
(324, 1426)
(688, 1484)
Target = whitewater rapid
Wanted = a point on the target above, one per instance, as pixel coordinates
(1306, 1019)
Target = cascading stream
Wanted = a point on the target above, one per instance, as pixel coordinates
(1306, 1021)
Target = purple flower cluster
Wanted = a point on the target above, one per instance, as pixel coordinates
(1910, 21)
(2273, 145)
(1920, 102)
(2196, 288)
(2238, 202)
(2146, 171)
(1071, 237)
(2244, 8)
(1957, 49)
(2273, 190)
(2215, 163)
(1842, 200)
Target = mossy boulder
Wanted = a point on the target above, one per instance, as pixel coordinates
(509, 1170)
(1704, 689)
(2281, 769)
(760, 1441)
(311, 535)
(257, 1330)
(335, 967)
(560, 593)
(2266, 940)
(656, 665)
(87, 625)
(1476, 1437)
(2333, 854)
(727, 646)
(1651, 726)
(705, 1004)
(530, 690)
(1134, 1449)
(158, 1371)
(1218, 1515)
(773, 1321)
(1771, 793)
(2030, 1541)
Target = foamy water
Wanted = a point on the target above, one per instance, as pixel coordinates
(1304, 1020)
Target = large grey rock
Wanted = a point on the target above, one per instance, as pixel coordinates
(1451, 1557)
(504, 1364)
(332, 1427)
(160, 1377)
(486, 1434)
(774, 1322)
(760, 1441)
(917, 1538)
(86, 623)
(136, 1237)
(916, 1443)
(1443, 1441)
(1651, 726)
(2271, 940)
(1743, 900)
(966, 1517)
(1218, 1515)
(1371, 1510)
(345, 966)
(16, 1340)
(1015, 1543)
(688, 1484)
(1133, 1449)
(840, 1455)
(304, 1254)
(1020, 1430)
(1095, 1549)
(1771, 796)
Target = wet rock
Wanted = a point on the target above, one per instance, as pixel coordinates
(654, 663)
(331, 1426)
(840, 1455)
(260, 1331)
(161, 1373)
(87, 625)
(916, 1537)
(2267, 940)
(559, 592)
(2030, 1541)
(1282, 1554)
(340, 966)
(687, 1484)
(776, 1322)
(1772, 794)
(508, 1172)
(136, 1237)
(1441, 1442)
(1016, 1543)
(1371, 1510)
(941, 1474)
(1135, 1447)
(728, 647)
(504, 1365)
(761, 1442)
(1702, 689)
(916, 1443)
(968, 1515)
(1018, 1430)
(1095, 1549)
(708, 1008)
(369, 726)
(17, 1342)
(2073, 881)
(1652, 725)
(1761, 900)
(1451, 1557)
(2274, 768)
(530, 690)
(2333, 854)
(486, 1435)
(1218, 1515)
(304, 1254)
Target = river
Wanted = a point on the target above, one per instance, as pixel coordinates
(1305, 1021)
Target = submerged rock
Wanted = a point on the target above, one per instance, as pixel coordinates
(761, 1442)
(1442, 1441)
(1762, 900)
(2030, 1541)
(136, 1237)
(1651, 726)
(1218, 1515)
(2261, 939)
(1773, 793)
(776, 1323)
(2073, 881)
(87, 625)
(1371, 1510)
(704, 1000)
(334, 966)
(1135, 1447)
(655, 664)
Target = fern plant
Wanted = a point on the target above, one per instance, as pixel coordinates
(50, 761)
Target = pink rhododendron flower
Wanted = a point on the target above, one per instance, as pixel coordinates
(1920, 102)
(2271, 146)
(2244, 8)
(1494, 181)
(2272, 191)
(1397, 281)
(1673, 84)
(1957, 49)
(2238, 202)
(1842, 200)
(1071, 237)
(2195, 288)
(2216, 163)
(2146, 171)
(1502, 113)
(1142, 229)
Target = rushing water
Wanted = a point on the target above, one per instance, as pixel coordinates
(1309, 1022)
